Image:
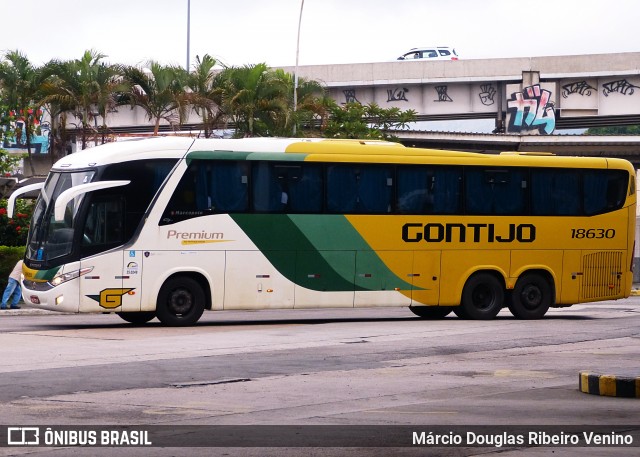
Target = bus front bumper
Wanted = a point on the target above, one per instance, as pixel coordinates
(43, 295)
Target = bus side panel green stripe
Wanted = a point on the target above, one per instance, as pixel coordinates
(277, 156)
(325, 248)
(274, 234)
(217, 155)
(234, 155)
(334, 232)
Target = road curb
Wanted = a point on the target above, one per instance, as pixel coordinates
(609, 385)
(24, 311)
(635, 292)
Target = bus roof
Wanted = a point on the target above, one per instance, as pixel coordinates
(316, 150)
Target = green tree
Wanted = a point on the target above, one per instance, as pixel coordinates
(310, 107)
(21, 82)
(354, 120)
(617, 130)
(87, 88)
(256, 99)
(205, 94)
(160, 92)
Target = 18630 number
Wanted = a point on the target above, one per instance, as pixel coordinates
(593, 233)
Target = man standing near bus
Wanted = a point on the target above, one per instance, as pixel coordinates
(12, 291)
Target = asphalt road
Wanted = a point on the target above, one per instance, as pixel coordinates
(379, 367)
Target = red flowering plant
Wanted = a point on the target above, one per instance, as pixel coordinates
(14, 231)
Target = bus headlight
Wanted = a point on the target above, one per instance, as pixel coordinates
(59, 279)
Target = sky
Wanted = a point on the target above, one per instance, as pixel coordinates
(240, 32)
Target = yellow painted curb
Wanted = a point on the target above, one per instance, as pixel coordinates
(609, 385)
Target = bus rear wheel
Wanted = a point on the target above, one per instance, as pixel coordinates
(181, 302)
(431, 312)
(531, 297)
(137, 318)
(482, 297)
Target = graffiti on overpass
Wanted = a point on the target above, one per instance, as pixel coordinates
(442, 94)
(397, 94)
(579, 87)
(487, 92)
(622, 86)
(350, 96)
(531, 109)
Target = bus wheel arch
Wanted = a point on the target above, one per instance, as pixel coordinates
(431, 312)
(532, 295)
(182, 299)
(482, 296)
(137, 317)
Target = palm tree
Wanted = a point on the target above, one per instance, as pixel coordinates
(313, 103)
(205, 92)
(110, 88)
(21, 82)
(256, 99)
(160, 92)
(86, 87)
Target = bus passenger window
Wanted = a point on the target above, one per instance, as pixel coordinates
(306, 189)
(495, 191)
(555, 192)
(415, 190)
(270, 189)
(207, 187)
(359, 189)
(604, 190)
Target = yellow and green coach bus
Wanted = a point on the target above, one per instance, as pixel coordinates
(170, 227)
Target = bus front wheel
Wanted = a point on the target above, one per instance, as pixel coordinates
(482, 297)
(430, 312)
(137, 318)
(181, 302)
(531, 297)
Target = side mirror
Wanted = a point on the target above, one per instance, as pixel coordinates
(65, 197)
(11, 203)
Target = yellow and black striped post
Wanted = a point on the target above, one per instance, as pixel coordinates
(609, 385)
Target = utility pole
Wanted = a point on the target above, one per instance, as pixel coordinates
(295, 75)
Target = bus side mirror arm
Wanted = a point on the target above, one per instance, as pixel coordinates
(22, 190)
(65, 197)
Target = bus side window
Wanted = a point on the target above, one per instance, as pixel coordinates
(209, 186)
(555, 192)
(604, 190)
(447, 185)
(359, 189)
(306, 188)
(495, 191)
(228, 187)
(415, 190)
(270, 191)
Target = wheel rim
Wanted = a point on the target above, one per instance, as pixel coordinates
(483, 297)
(180, 301)
(531, 296)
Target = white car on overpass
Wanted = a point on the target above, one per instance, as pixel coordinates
(430, 53)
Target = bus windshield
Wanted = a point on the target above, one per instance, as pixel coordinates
(48, 238)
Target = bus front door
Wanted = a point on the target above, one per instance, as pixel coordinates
(113, 285)
(101, 288)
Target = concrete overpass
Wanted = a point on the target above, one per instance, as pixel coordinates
(525, 96)
(531, 99)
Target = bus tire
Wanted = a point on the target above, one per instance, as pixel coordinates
(431, 312)
(137, 318)
(531, 297)
(181, 302)
(482, 297)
